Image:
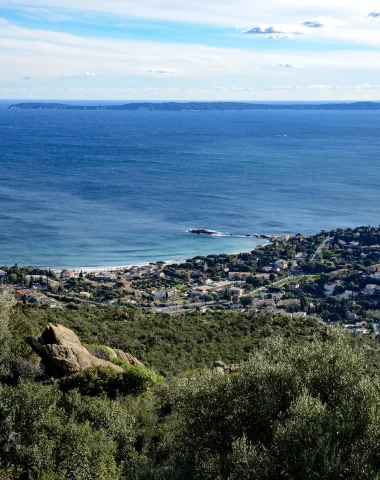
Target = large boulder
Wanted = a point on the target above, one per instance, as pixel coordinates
(63, 354)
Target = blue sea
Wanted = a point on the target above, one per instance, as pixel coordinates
(104, 188)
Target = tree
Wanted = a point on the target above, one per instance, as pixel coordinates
(295, 411)
(246, 300)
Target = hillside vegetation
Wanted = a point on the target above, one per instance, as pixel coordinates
(303, 401)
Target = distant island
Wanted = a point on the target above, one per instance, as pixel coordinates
(197, 106)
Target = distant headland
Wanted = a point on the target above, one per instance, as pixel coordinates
(197, 106)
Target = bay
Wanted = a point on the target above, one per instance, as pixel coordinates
(102, 188)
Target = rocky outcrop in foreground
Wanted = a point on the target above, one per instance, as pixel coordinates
(63, 354)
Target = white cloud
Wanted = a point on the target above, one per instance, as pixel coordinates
(297, 15)
(84, 75)
(190, 70)
(323, 87)
(163, 71)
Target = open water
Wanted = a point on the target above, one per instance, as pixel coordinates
(102, 188)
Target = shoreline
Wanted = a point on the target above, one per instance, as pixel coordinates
(117, 268)
(260, 240)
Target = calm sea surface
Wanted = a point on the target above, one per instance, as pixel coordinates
(100, 188)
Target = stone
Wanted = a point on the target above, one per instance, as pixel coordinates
(63, 354)
(127, 357)
(222, 368)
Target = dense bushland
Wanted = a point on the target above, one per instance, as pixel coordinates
(304, 403)
(170, 344)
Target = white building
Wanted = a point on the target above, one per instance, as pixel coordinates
(329, 287)
(371, 289)
(281, 264)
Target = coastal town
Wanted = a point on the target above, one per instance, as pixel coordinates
(333, 276)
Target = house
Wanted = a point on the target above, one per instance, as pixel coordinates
(362, 331)
(65, 274)
(3, 274)
(263, 293)
(329, 287)
(258, 304)
(42, 299)
(236, 292)
(52, 283)
(220, 285)
(239, 275)
(263, 276)
(277, 296)
(170, 294)
(360, 324)
(101, 277)
(289, 302)
(370, 289)
(338, 273)
(374, 268)
(204, 288)
(348, 295)
(104, 277)
(281, 264)
(285, 237)
(85, 294)
(293, 287)
(21, 294)
(195, 293)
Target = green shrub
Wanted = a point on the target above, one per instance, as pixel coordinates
(39, 441)
(133, 380)
(296, 411)
(92, 382)
(138, 378)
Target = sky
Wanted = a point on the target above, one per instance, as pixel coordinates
(288, 50)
